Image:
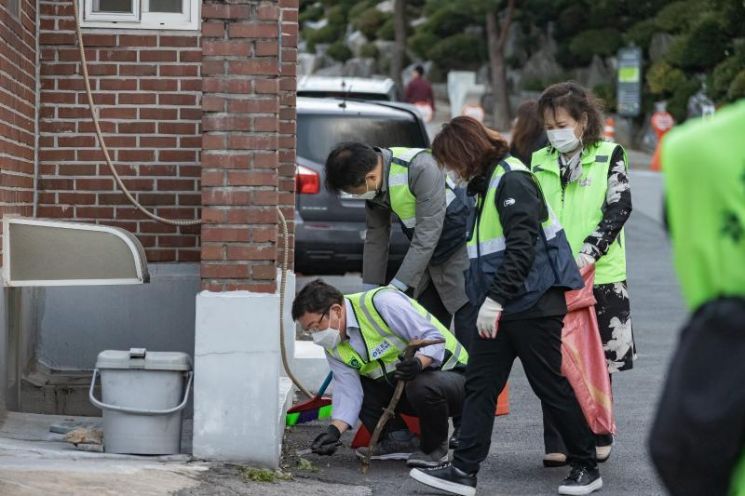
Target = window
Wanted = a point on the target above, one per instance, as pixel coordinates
(140, 14)
(318, 134)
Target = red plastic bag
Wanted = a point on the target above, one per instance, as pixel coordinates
(583, 360)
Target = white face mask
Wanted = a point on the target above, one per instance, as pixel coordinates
(327, 338)
(563, 139)
(367, 195)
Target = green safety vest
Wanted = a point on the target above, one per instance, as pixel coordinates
(704, 172)
(553, 264)
(403, 204)
(738, 481)
(579, 205)
(382, 344)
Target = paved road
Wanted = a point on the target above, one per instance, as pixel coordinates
(514, 464)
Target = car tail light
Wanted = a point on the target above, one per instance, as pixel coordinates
(307, 181)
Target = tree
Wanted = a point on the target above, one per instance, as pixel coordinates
(399, 46)
(496, 34)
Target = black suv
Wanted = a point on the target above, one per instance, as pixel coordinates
(330, 229)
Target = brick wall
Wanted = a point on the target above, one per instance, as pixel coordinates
(17, 104)
(248, 141)
(147, 86)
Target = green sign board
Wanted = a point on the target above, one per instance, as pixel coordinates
(629, 93)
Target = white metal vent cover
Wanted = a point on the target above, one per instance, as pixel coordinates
(40, 252)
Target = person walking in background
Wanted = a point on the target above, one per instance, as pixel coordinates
(698, 436)
(419, 92)
(528, 135)
(521, 266)
(585, 181)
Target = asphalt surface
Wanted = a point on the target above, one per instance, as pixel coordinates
(514, 463)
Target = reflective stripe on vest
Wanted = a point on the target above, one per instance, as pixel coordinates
(579, 205)
(488, 237)
(383, 346)
(403, 201)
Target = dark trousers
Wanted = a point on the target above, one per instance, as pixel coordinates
(464, 329)
(434, 396)
(699, 430)
(552, 438)
(537, 342)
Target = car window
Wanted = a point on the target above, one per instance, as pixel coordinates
(345, 94)
(318, 134)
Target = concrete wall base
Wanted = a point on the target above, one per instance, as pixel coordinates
(240, 398)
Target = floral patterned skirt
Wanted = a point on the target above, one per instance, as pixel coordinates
(613, 309)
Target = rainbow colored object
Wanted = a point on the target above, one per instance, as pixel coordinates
(317, 408)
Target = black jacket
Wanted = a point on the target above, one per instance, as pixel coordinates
(521, 210)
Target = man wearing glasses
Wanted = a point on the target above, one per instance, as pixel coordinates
(364, 336)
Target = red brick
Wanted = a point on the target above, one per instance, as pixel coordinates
(225, 11)
(157, 199)
(213, 29)
(138, 70)
(226, 197)
(158, 142)
(180, 70)
(250, 253)
(266, 48)
(190, 114)
(98, 184)
(135, 155)
(252, 106)
(267, 12)
(177, 241)
(225, 234)
(190, 85)
(159, 113)
(56, 212)
(263, 234)
(158, 56)
(136, 98)
(112, 199)
(265, 198)
(51, 97)
(268, 124)
(103, 69)
(225, 271)
(158, 84)
(253, 30)
(118, 84)
(57, 39)
(213, 67)
(212, 103)
(185, 255)
(176, 99)
(138, 40)
(68, 169)
(175, 184)
(226, 48)
(190, 56)
(245, 142)
(190, 199)
(176, 127)
(213, 252)
(250, 178)
(213, 178)
(99, 40)
(76, 141)
(117, 55)
(214, 142)
(177, 156)
(226, 123)
(87, 127)
(266, 86)
(179, 41)
(161, 255)
(136, 127)
(139, 184)
(94, 212)
(253, 67)
(50, 184)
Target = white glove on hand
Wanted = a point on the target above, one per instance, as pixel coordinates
(488, 319)
(583, 260)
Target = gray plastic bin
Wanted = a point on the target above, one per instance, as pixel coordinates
(143, 398)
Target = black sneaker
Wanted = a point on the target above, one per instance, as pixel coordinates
(581, 480)
(446, 478)
(435, 458)
(397, 445)
(454, 443)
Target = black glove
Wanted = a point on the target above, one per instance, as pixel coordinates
(407, 370)
(326, 443)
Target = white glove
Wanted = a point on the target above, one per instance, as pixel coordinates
(487, 322)
(398, 285)
(583, 260)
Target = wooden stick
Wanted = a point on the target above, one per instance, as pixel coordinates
(390, 410)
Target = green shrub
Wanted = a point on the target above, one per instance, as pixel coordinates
(724, 73)
(339, 51)
(663, 79)
(337, 16)
(460, 51)
(422, 41)
(737, 88)
(603, 42)
(450, 20)
(369, 22)
(703, 48)
(641, 33)
(607, 94)
(359, 8)
(369, 50)
(327, 34)
(678, 102)
(311, 13)
(387, 31)
(675, 17)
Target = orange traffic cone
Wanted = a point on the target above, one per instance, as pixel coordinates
(656, 163)
(609, 131)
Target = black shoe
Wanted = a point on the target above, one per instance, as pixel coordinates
(446, 478)
(581, 480)
(454, 442)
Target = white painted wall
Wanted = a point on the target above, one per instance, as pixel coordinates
(240, 397)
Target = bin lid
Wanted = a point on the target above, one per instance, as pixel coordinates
(140, 358)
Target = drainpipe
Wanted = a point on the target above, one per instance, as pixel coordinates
(37, 110)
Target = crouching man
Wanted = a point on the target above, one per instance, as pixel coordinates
(365, 336)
